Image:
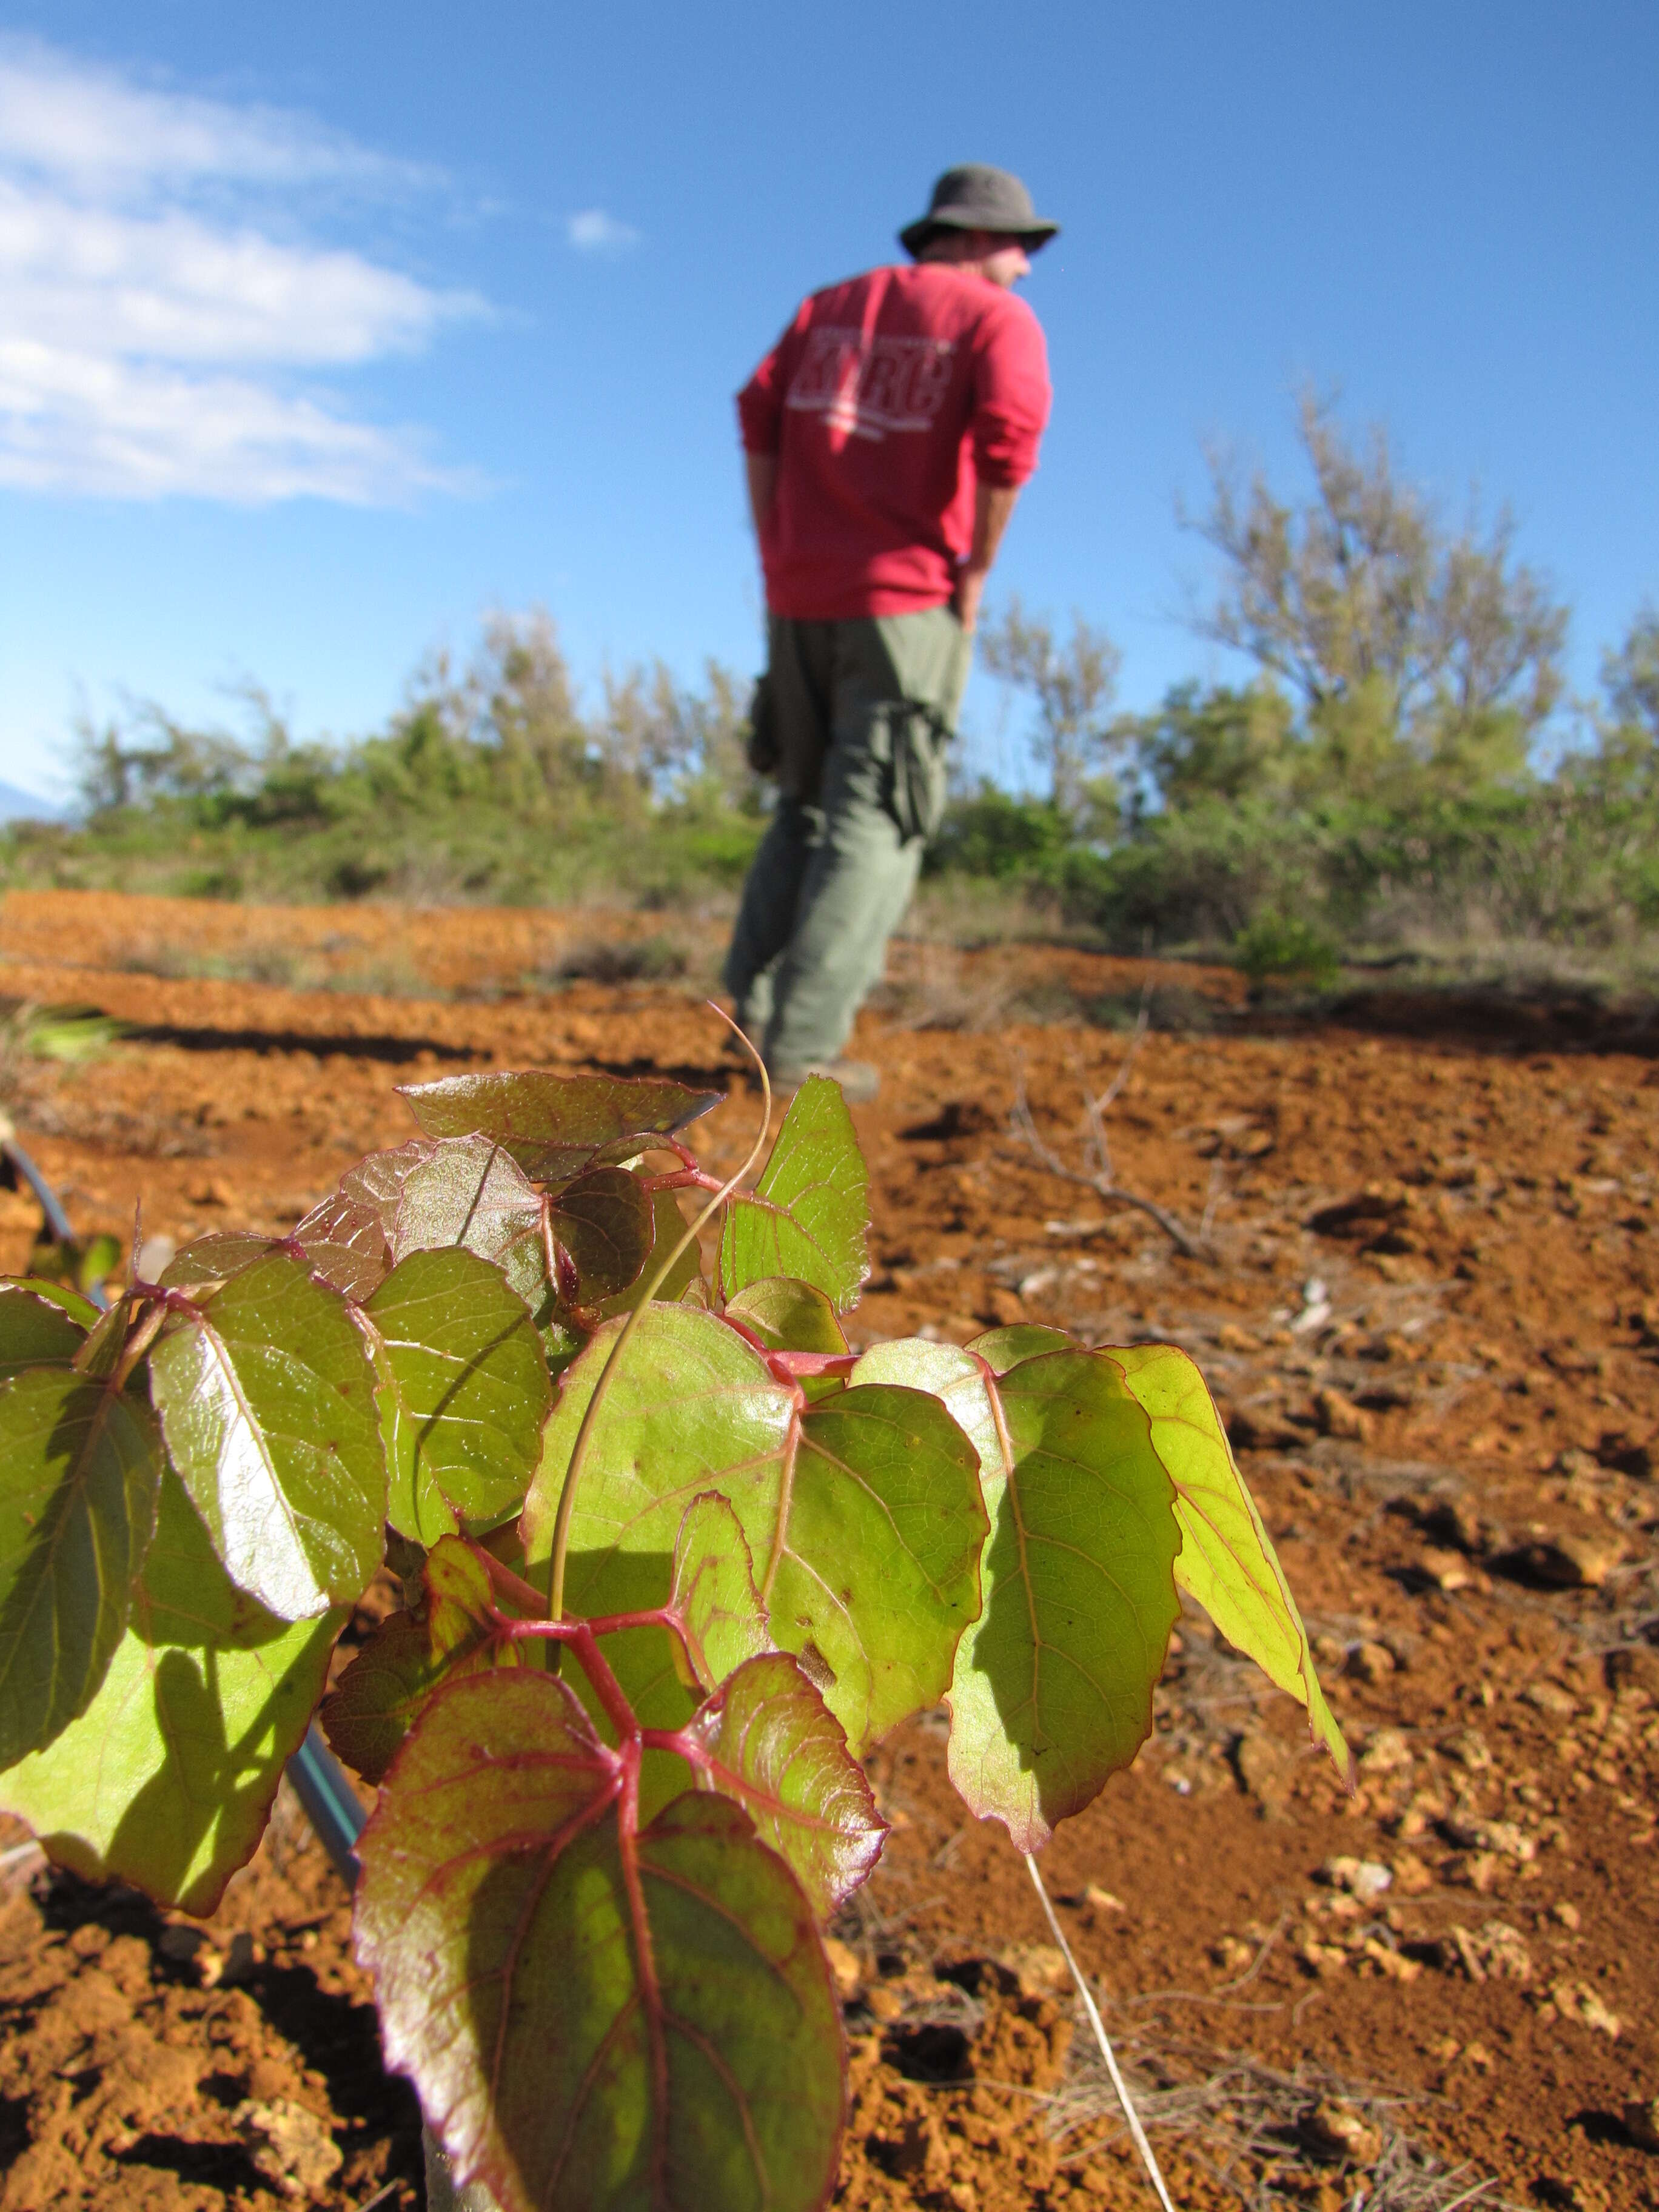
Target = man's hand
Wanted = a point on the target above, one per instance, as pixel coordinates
(964, 600)
(993, 505)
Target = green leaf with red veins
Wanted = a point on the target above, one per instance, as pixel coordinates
(593, 2017)
(667, 1227)
(1003, 1348)
(863, 1513)
(604, 1221)
(714, 1592)
(35, 1330)
(1052, 1686)
(878, 1571)
(464, 1392)
(807, 1216)
(166, 1780)
(1227, 1559)
(453, 1632)
(78, 1307)
(266, 1397)
(555, 1126)
(348, 1236)
(213, 1258)
(466, 1191)
(788, 1316)
(79, 1466)
(780, 1752)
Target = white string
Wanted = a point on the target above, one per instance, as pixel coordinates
(1099, 2027)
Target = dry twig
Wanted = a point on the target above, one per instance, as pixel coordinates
(1101, 1178)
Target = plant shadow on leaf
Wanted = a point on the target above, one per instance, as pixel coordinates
(166, 1780)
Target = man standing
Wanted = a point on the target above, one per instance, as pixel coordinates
(887, 435)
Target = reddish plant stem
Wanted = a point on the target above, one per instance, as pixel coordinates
(510, 1585)
(692, 1178)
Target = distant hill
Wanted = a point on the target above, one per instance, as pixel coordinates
(17, 806)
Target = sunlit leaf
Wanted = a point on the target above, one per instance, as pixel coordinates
(554, 1126)
(348, 1237)
(166, 1780)
(667, 1227)
(878, 1573)
(1052, 1686)
(604, 1221)
(266, 1397)
(782, 1754)
(875, 1566)
(807, 1216)
(1003, 1348)
(787, 1316)
(74, 1303)
(213, 1258)
(468, 1192)
(713, 1591)
(36, 1328)
(463, 1396)
(1227, 1559)
(80, 1465)
(593, 2018)
(371, 1707)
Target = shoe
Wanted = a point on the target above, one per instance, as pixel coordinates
(859, 1081)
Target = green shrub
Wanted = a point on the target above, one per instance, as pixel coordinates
(1281, 947)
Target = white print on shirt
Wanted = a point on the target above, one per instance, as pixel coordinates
(866, 386)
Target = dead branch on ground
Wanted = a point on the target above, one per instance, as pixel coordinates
(1098, 1175)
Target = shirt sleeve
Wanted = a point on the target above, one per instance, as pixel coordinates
(760, 404)
(1010, 396)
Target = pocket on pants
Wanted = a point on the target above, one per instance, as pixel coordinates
(919, 743)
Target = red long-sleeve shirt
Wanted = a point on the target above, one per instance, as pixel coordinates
(887, 401)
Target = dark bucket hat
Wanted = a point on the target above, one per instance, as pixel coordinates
(978, 198)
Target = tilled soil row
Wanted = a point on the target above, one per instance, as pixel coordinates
(1432, 1314)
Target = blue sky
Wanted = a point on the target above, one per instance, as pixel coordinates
(325, 330)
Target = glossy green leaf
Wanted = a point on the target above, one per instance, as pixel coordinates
(713, 1591)
(213, 1258)
(166, 1780)
(1003, 1348)
(594, 2019)
(36, 1328)
(807, 1215)
(879, 1574)
(464, 1392)
(74, 1303)
(348, 1237)
(451, 1633)
(779, 1750)
(874, 1572)
(604, 1222)
(466, 1191)
(1052, 1691)
(266, 1397)
(788, 1316)
(79, 1466)
(554, 1126)
(667, 1227)
(1227, 1559)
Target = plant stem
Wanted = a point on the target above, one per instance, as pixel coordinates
(579, 1450)
(1099, 2027)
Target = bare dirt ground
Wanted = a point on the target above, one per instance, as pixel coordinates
(1433, 1318)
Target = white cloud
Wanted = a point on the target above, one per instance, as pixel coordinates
(593, 231)
(70, 119)
(150, 345)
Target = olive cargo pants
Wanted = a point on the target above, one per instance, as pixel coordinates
(862, 712)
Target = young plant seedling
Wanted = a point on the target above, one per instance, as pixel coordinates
(675, 1558)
